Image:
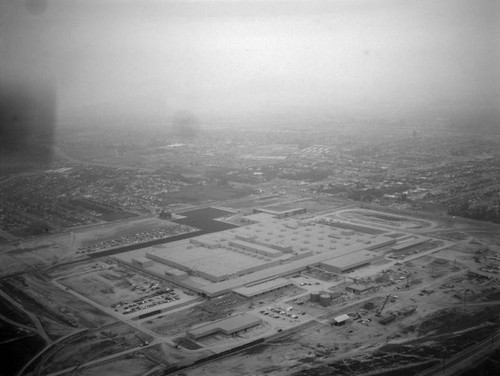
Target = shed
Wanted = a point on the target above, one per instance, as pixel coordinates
(341, 320)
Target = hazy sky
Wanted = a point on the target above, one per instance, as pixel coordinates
(237, 59)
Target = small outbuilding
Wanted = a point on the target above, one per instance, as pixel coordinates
(341, 320)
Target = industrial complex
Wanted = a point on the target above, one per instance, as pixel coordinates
(282, 275)
(250, 260)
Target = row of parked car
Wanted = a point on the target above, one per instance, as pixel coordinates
(279, 312)
(152, 300)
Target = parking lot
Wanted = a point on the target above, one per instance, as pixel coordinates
(157, 297)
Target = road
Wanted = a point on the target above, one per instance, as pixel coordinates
(38, 325)
(7, 235)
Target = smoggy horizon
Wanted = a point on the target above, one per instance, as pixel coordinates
(235, 60)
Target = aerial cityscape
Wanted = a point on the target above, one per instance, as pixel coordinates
(151, 223)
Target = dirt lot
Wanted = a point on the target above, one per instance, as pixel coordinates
(59, 312)
(395, 221)
(88, 346)
(130, 365)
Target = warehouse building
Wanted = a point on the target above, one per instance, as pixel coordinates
(281, 213)
(256, 248)
(410, 243)
(350, 261)
(250, 260)
(260, 288)
(142, 262)
(175, 274)
(212, 264)
(341, 320)
(228, 326)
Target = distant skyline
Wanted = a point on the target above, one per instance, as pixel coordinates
(146, 59)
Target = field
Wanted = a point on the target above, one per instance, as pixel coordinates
(198, 194)
(377, 218)
(257, 201)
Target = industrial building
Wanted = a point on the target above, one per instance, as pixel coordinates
(251, 259)
(351, 261)
(260, 288)
(143, 262)
(341, 320)
(228, 326)
(362, 288)
(280, 213)
(408, 243)
(317, 296)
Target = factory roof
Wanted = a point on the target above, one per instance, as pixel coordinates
(141, 259)
(279, 270)
(304, 244)
(341, 318)
(258, 248)
(408, 243)
(352, 259)
(260, 288)
(227, 326)
(174, 271)
(214, 261)
(279, 210)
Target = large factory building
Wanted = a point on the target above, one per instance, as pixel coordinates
(251, 259)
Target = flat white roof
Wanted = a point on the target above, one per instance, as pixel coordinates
(227, 326)
(214, 261)
(408, 243)
(223, 261)
(342, 318)
(279, 270)
(266, 250)
(352, 259)
(260, 288)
